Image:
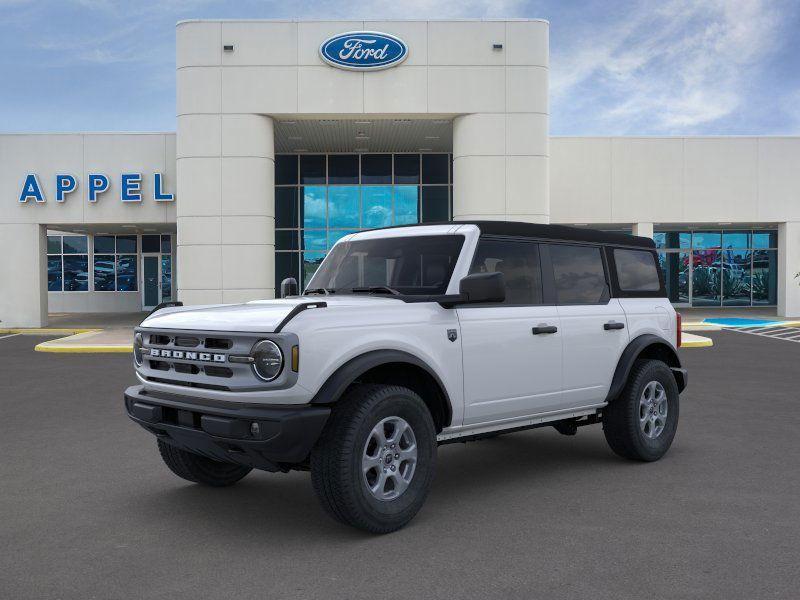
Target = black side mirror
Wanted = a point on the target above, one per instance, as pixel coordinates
(483, 287)
(289, 287)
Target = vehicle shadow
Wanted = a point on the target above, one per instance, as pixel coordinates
(284, 505)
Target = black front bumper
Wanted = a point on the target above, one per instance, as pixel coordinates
(284, 434)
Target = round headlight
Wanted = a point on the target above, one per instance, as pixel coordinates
(138, 342)
(268, 360)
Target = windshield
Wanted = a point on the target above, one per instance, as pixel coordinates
(414, 265)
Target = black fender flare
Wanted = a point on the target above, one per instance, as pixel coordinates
(633, 350)
(335, 386)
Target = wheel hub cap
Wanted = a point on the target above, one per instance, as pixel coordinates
(653, 409)
(389, 458)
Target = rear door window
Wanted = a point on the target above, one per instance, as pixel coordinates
(518, 261)
(636, 270)
(579, 274)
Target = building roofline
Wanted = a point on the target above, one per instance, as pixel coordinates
(14, 133)
(463, 20)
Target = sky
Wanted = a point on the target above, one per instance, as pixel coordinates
(669, 67)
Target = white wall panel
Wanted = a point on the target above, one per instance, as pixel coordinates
(259, 43)
(198, 44)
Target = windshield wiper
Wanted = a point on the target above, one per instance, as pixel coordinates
(375, 289)
(323, 291)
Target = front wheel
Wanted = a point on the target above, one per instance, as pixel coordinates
(640, 424)
(374, 463)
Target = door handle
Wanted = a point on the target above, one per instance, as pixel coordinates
(544, 329)
(612, 325)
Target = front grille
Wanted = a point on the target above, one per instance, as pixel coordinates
(195, 359)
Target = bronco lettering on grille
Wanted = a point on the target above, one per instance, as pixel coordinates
(181, 354)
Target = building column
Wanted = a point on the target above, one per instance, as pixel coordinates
(643, 230)
(788, 266)
(226, 222)
(501, 167)
(23, 273)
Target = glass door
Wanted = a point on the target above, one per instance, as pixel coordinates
(151, 281)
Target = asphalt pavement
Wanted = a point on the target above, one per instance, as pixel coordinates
(87, 509)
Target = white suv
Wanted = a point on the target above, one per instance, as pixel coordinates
(411, 337)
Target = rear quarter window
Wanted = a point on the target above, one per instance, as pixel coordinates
(636, 270)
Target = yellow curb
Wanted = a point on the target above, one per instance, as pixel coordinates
(60, 348)
(695, 341)
(46, 331)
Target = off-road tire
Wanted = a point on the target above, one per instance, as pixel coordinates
(621, 424)
(336, 467)
(199, 469)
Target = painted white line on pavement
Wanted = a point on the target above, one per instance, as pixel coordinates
(2, 337)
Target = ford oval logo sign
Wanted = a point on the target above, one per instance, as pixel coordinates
(363, 50)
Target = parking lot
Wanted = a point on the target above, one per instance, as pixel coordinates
(87, 509)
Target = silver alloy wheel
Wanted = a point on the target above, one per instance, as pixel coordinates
(389, 458)
(653, 409)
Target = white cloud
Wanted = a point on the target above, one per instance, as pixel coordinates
(671, 69)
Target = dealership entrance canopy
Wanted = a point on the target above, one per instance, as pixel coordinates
(293, 134)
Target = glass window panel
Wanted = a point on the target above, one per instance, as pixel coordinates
(736, 277)
(285, 169)
(75, 244)
(675, 267)
(406, 168)
(315, 239)
(166, 244)
(286, 240)
(166, 277)
(311, 262)
(343, 206)
(706, 277)
(519, 264)
(435, 204)
(579, 274)
(54, 279)
(103, 272)
(286, 207)
(765, 239)
(104, 244)
(707, 239)
(636, 271)
(126, 274)
(673, 239)
(736, 239)
(150, 243)
(434, 168)
(314, 206)
(343, 168)
(126, 244)
(312, 168)
(54, 244)
(334, 235)
(406, 204)
(286, 265)
(76, 273)
(376, 168)
(376, 206)
(765, 277)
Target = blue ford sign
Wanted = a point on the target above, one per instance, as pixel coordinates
(363, 50)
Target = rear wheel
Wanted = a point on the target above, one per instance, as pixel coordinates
(374, 463)
(199, 469)
(640, 424)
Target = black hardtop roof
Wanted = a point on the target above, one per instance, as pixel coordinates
(561, 233)
(540, 231)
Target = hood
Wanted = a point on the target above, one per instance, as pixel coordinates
(261, 316)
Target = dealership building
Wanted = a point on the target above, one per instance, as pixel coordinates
(293, 134)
